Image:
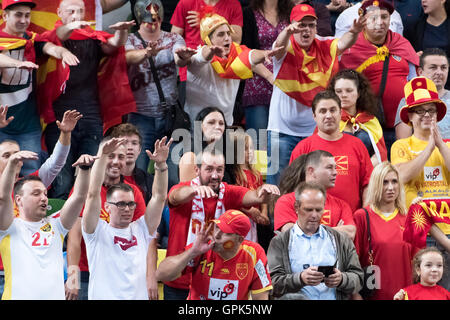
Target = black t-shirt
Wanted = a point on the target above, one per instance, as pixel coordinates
(81, 91)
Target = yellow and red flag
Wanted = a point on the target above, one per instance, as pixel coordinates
(115, 95)
(304, 74)
(44, 17)
(422, 216)
(236, 65)
(371, 125)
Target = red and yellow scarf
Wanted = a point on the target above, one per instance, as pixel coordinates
(422, 216)
(115, 95)
(236, 65)
(369, 124)
(304, 74)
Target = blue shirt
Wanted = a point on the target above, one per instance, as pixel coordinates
(315, 250)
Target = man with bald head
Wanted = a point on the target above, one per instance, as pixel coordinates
(20, 50)
(310, 260)
(82, 89)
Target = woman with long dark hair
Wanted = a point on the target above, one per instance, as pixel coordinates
(359, 107)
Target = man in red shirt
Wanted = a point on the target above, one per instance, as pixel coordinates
(320, 167)
(224, 266)
(197, 202)
(352, 159)
(375, 45)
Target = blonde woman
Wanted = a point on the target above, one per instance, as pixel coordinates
(387, 215)
(246, 175)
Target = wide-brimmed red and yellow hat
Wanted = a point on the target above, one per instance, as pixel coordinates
(418, 91)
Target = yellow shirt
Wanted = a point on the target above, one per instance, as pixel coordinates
(433, 180)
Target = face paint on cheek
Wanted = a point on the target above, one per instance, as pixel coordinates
(228, 245)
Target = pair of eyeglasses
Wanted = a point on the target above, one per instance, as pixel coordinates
(122, 204)
(421, 111)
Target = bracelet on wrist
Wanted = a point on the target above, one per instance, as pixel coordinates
(84, 167)
(161, 169)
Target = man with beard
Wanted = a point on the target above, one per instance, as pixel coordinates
(225, 249)
(196, 202)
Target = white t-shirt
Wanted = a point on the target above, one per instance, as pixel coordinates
(205, 88)
(345, 20)
(117, 260)
(32, 255)
(287, 115)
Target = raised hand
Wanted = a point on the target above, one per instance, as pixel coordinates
(85, 160)
(185, 53)
(204, 241)
(268, 54)
(79, 25)
(293, 28)
(217, 51)
(112, 144)
(161, 152)
(3, 121)
(358, 25)
(123, 25)
(23, 156)
(69, 120)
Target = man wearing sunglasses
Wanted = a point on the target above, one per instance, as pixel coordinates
(424, 158)
(117, 251)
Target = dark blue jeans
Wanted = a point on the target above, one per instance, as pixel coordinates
(30, 141)
(85, 139)
(151, 129)
(279, 149)
(257, 117)
(175, 294)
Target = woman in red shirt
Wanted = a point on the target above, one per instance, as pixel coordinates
(387, 215)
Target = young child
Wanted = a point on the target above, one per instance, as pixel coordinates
(428, 267)
(247, 176)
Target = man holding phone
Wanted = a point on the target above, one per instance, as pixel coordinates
(310, 260)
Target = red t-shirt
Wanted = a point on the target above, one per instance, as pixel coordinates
(229, 9)
(179, 222)
(398, 72)
(420, 292)
(391, 254)
(214, 278)
(335, 210)
(353, 165)
(138, 212)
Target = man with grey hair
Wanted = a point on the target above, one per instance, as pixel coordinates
(311, 260)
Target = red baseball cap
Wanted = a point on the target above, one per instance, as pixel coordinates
(302, 10)
(382, 4)
(8, 3)
(234, 221)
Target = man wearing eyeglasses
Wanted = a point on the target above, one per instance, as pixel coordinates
(301, 70)
(117, 251)
(424, 158)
